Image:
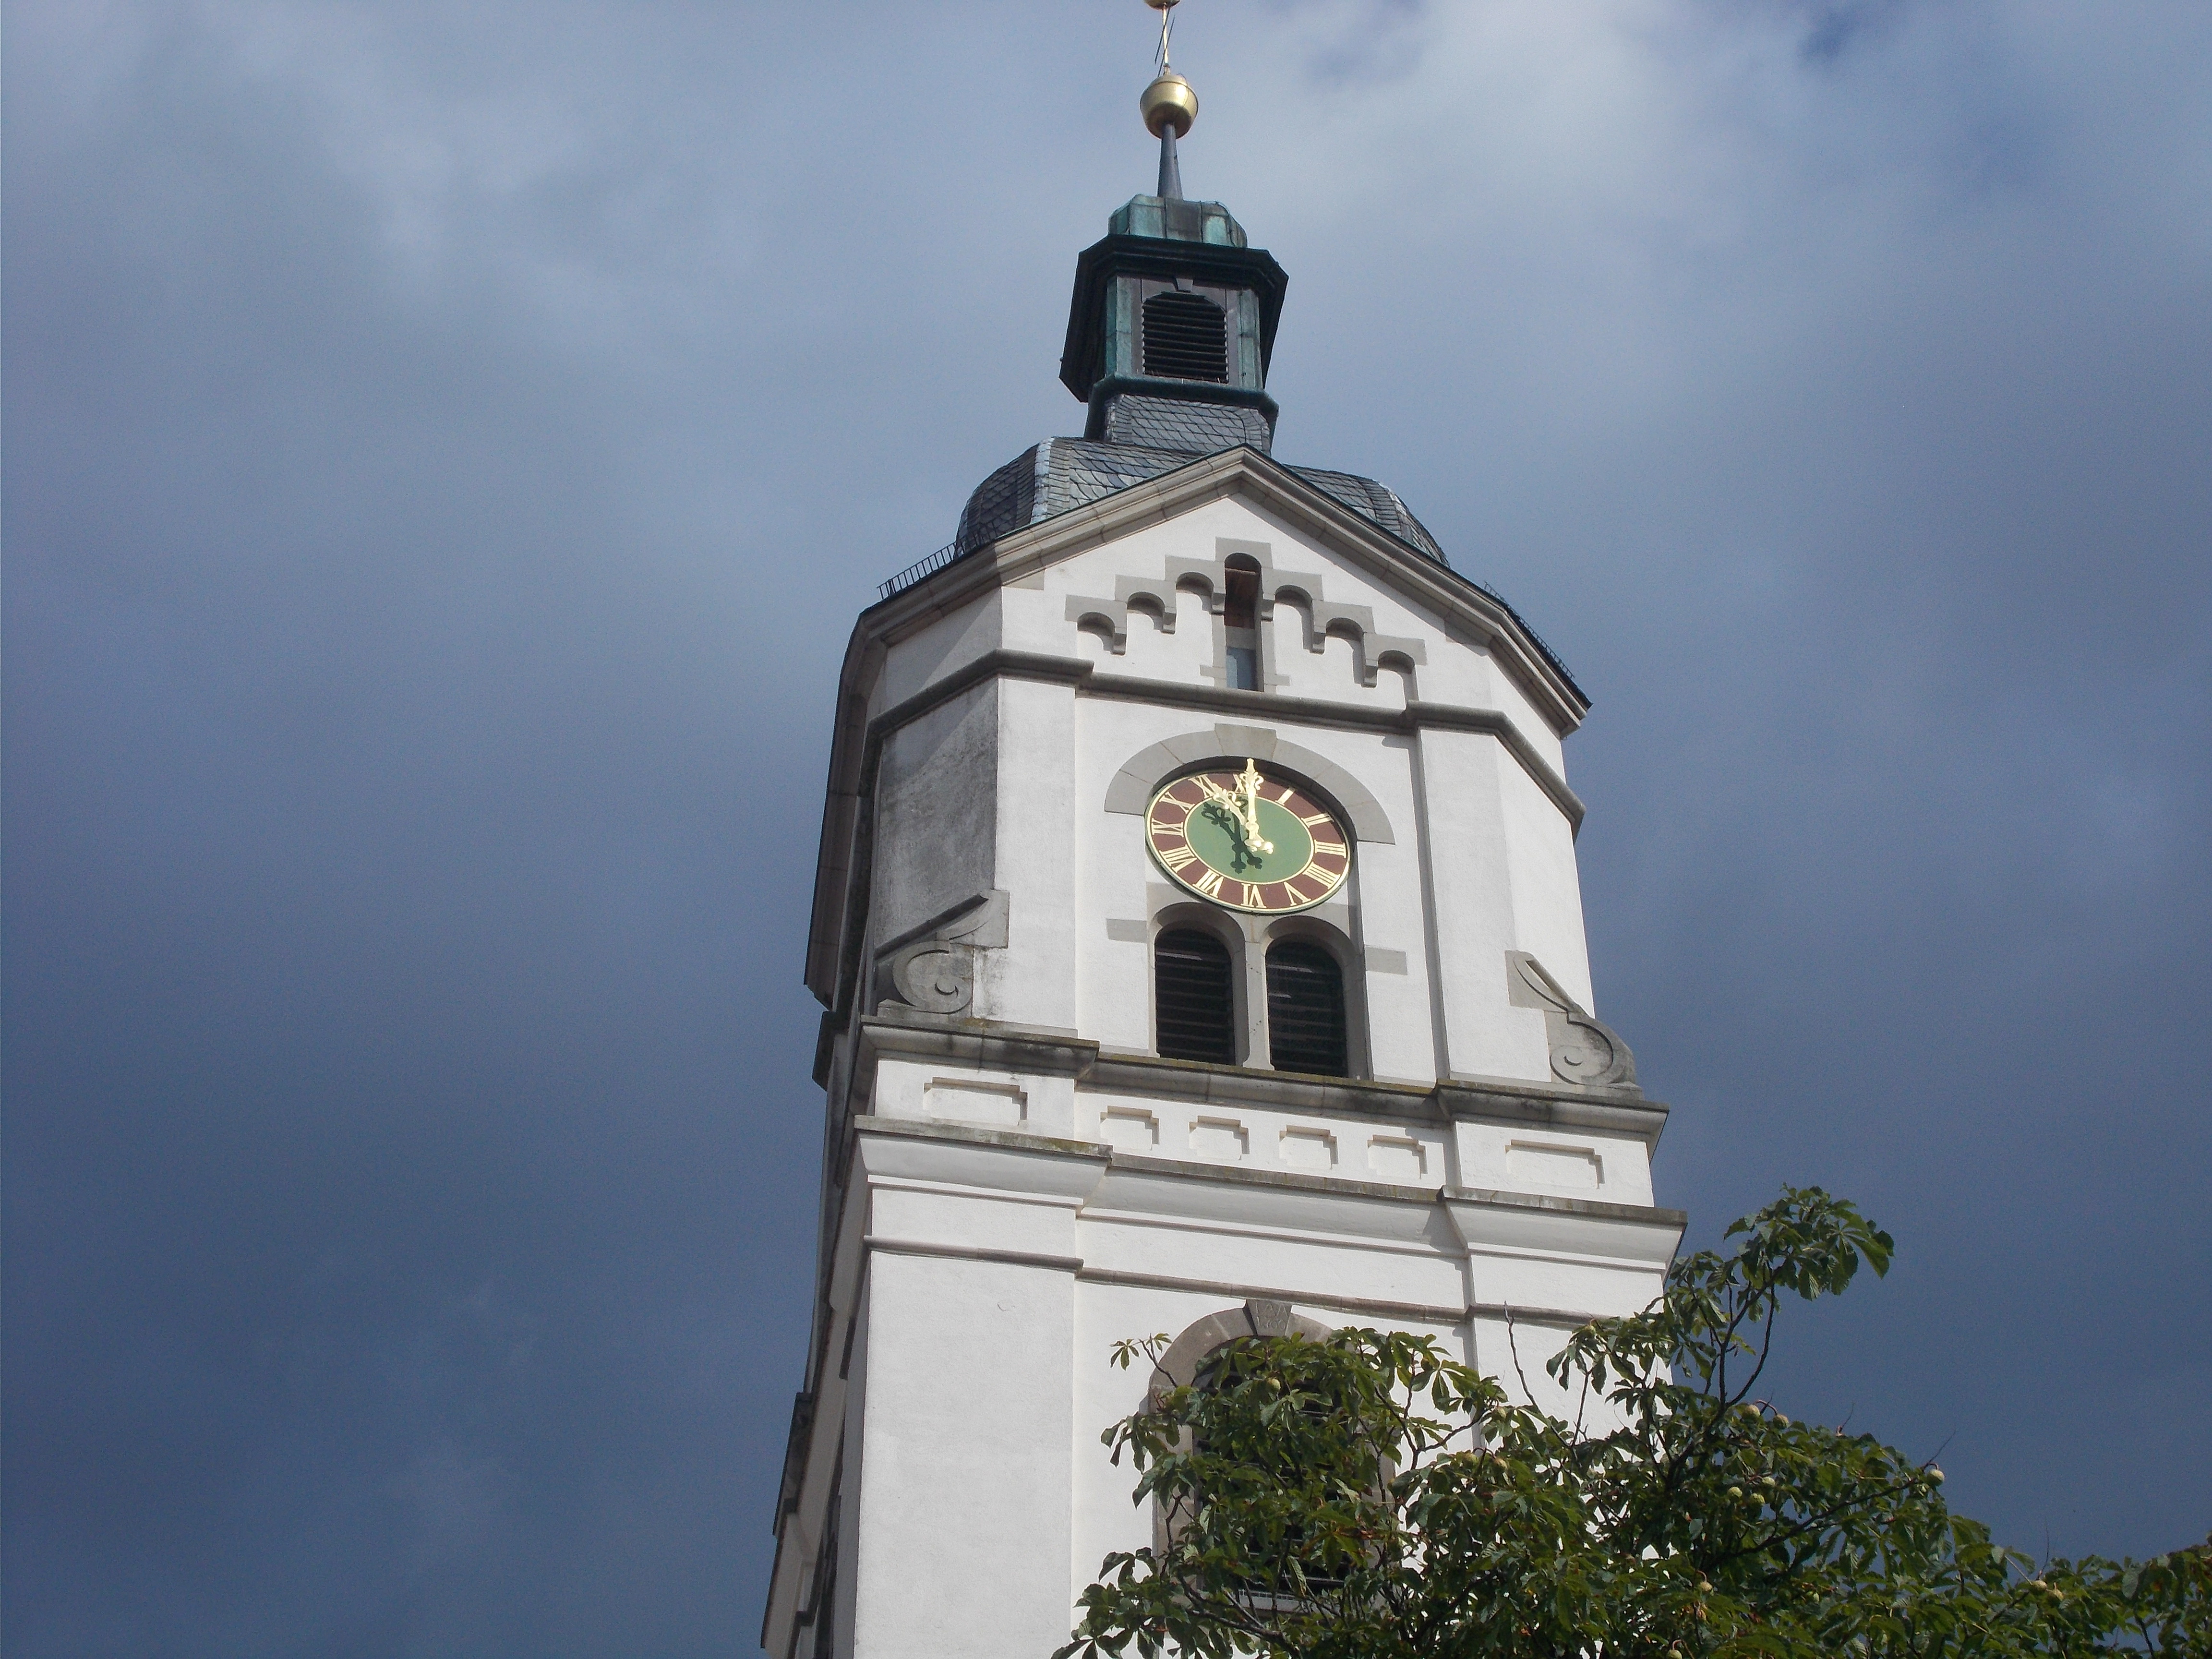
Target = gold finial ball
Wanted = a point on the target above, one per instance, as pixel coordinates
(1169, 102)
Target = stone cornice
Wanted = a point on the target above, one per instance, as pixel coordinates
(1528, 1205)
(988, 1043)
(1271, 705)
(1511, 1100)
(1592, 1209)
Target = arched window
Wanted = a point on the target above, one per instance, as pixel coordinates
(1305, 1009)
(1186, 1358)
(1196, 996)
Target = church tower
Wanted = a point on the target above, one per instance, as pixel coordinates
(1199, 927)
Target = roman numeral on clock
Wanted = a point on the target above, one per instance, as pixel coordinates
(1209, 884)
(1179, 859)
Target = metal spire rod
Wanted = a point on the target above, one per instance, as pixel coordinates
(1168, 106)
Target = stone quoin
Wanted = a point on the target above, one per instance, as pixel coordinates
(1099, 1068)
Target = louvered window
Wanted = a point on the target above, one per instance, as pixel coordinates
(1305, 1010)
(1197, 1003)
(1186, 337)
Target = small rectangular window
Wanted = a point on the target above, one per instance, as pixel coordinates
(1240, 599)
(1240, 618)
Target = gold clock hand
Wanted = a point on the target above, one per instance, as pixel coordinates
(1228, 801)
(1246, 823)
(1248, 787)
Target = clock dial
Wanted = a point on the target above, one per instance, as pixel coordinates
(1247, 841)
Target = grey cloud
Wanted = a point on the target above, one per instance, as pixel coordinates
(445, 447)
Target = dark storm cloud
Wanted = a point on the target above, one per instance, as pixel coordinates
(445, 449)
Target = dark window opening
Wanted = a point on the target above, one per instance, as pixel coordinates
(1237, 1362)
(1240, 616)
(1196, 996)
(1305, 1010)
(1186, 337)
(1240, 606)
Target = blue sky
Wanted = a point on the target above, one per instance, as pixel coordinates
(445, 447)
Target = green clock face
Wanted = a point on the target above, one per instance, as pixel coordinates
(1247, 841)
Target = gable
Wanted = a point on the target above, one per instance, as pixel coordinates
(1294, 505)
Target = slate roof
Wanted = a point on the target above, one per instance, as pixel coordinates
(1061, 474)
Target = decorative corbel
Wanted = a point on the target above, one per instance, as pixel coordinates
(1584, 1049)
(932, 967)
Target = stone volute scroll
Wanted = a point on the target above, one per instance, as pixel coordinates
(1584, 1049)
(933, 967)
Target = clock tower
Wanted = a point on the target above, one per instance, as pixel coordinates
(1199, 929)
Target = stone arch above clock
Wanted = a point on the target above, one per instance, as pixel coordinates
(1133, 786)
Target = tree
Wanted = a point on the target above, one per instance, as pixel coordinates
(1365, 1497)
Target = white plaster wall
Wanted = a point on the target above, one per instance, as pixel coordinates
(852, 1440)
(1567, 1163)
(1030, 1103)
(978, 1499)
(1282, 645)
(1474, 891)
(1522, 1258)
(1032, 981)
(962, 1530)
(1506, 696)
(1115, 974)
(1105, 1517)
(1548, 895)
(1502, 854)
(942, 645)
(1392, 1152)
(1169, 1224)
(1393, 907)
